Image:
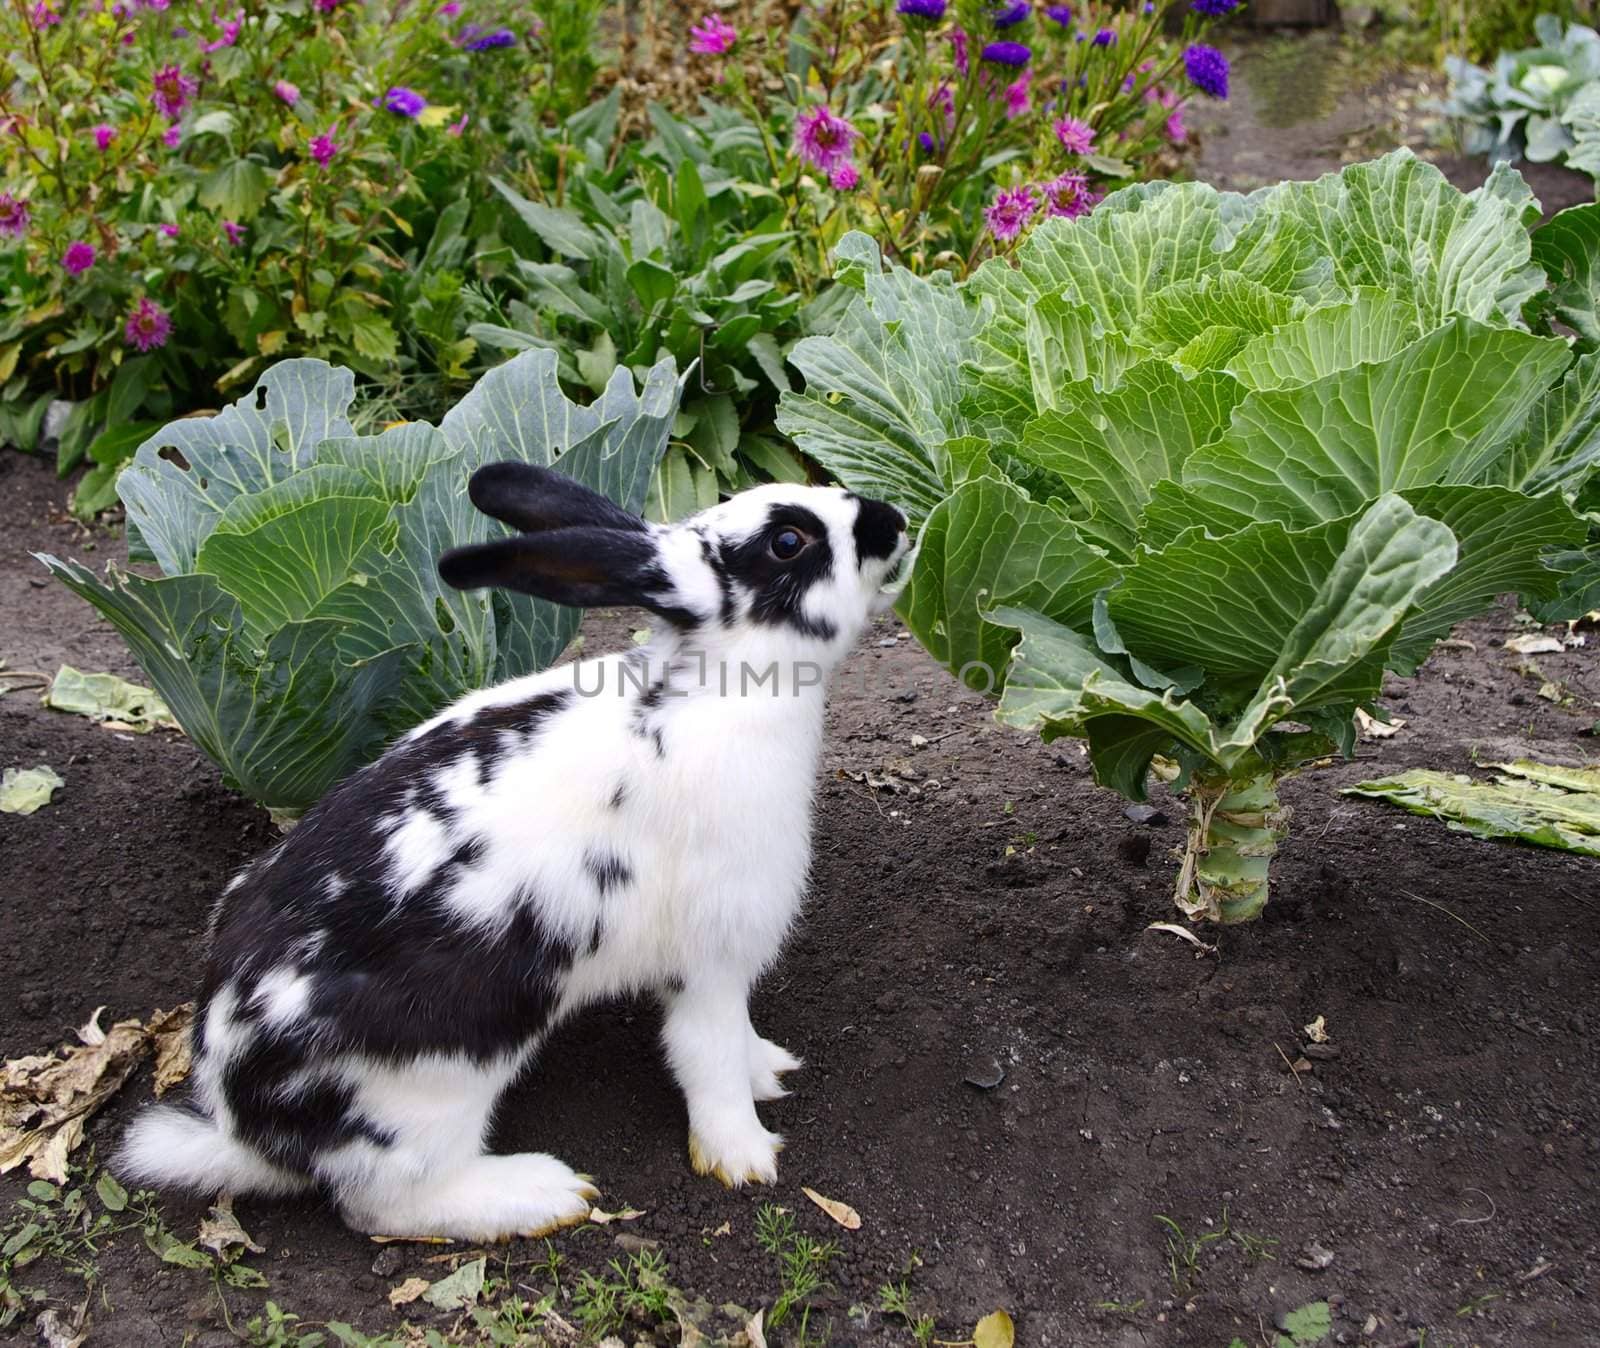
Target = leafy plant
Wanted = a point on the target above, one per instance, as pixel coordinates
(802, 1265)
(299, 622)
(1542, 102)
(637, 1286)
(1218, 462)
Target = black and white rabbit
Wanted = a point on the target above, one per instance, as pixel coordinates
(634, 822)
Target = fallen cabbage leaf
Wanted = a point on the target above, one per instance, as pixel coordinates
(24, 790)
(107, 698)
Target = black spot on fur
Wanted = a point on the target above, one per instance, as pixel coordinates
(878, 528)
(778, 588)
(674, 985)
(594, 938)
(608, 871)
(660, 742)
(619, 795)
(713, 559)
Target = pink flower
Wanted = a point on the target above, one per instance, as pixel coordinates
(1068, 196)
(78, 258)
(234, 231)
(1012, 209)
(322, 147)
(172, 91)
(1177, 132)
(42, 16)
(148, 326)
(822, 138)
(944, 99)
(1076, 137)
(171, 231)
(172, 137)
(958, 44)
(1017, 96)
(328, 6)
(230, 35)
(156, 4)
(447, 11)
(459, 125)
(104, 134)
(712, 36)
(289, 93)
(14, 216)
(844, 178)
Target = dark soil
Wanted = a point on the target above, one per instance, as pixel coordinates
(990, 916)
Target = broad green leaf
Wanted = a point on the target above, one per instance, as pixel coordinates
(1442, 410)
(1177, 314)
(1112, 448)
(562, 231)
(1577, 574)
(236, 190)
(1567, 247)
(1560, 445)
(987, 545)
(1372, 326)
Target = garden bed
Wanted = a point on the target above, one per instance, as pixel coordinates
(1444, 1153)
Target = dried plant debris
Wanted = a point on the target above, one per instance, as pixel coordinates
(1539, 803)
(46, 1099)
(116, 703)
(24, 790)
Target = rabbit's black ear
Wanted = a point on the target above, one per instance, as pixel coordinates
(581, 567)
(535, 499)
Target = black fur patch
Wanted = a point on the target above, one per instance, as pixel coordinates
(713, 559)
(607, 870)
(779, 588)
(391, 978)
(619, 796)
(878, 528)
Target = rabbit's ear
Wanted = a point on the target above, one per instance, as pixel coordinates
(582, 567)
(536, 499)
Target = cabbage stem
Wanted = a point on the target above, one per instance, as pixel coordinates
(1235, 826)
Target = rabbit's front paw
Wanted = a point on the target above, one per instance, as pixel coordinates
(768, 1061)
(737, 1155)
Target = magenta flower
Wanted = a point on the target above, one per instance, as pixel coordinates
(450, 10)
(172, 91)
(323, 148)
(459, 125)
(943, 99)
(78, 258)
(289, 93)
(172, 137)
(844, 177)
(230, 35)
(404, 102)
(1076, 137)
(171, 231)
(328, 6)
(42, 16)
(14, 216)
(104, 134)
(158, 5)
(234, 231)
(1017, 96)
(958, 48)
(1069, 196)
(1012, 210)
(822, 138)
(712, 36)
(1177, 132)
(148, 326)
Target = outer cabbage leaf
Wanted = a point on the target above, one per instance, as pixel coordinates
(1372, 325)
(1567, 247)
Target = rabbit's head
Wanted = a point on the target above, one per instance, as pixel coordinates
(780, 561)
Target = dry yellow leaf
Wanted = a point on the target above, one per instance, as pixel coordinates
(1317, 1031)
(995, 1330)
(600, 1218)
(221, 1232)
(1373, 729)
(755, 1330)
(170, 1031)
(408, 1291)
(842, 1213)
(410, 1240)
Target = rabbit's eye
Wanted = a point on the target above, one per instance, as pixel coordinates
(786, 544)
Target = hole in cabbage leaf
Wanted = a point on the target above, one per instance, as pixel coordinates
(172, 454)
(261, 397)
(204, 484)
(443, 616)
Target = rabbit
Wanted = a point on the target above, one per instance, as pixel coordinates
(634, 822)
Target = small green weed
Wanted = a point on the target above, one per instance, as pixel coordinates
(895, 1299)
(1121, 1307)
(637, 1287)
(802, 1267)
(1184, 1251)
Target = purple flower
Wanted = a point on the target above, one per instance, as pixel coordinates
(450, 10)
(926, 141)
(1017, 95)
(1011, 54)
(104, 134)
(234, 231)
(157, 5)
(844, 177)
(1008, 16)
(929, 10)
(328, 6)
(1012, 209)
(148, 326)
(714, 35)
(1177, 132)
(943, 99)
(230, 35)
(322, 147)
(1106, 37)
(1214, 9)
(1076, 137)
(172, 137)
(1149, 8)
(958, 50)
(289, 93)
(1068, 196)
(1059, 14)
(501, 37)
(822, 138)
(14, 216)
(404, 102)
(172, 90)
(1207, 69)
(78, 258)
(42, 16)
(171, 231)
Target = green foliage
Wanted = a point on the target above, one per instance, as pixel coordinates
(299, 622)
(1197, 469)
(1480, 30)
(637, 1287)
(1542, 102)
(802, 1266)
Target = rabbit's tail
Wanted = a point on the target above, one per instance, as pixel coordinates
(178, 1147)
